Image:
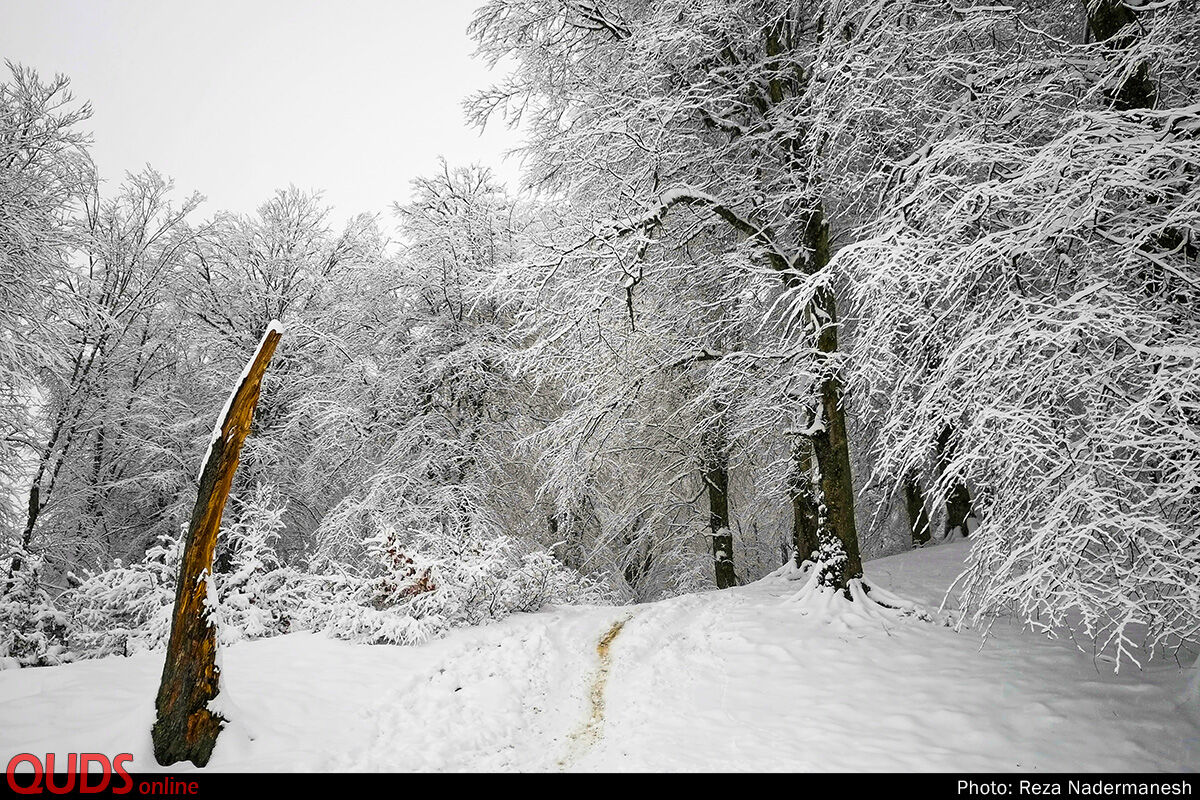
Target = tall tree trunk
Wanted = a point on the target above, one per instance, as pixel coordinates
(1113, 22)
(18, 561)
(716, 477)
(37, 498)
(836, 529)
(918, 515)
(958, 501)
(185, 728)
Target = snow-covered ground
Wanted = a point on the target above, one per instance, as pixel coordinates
(741, 679)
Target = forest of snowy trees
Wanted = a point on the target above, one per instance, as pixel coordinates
(792, 280)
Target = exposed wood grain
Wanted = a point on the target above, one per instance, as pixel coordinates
(185, 728)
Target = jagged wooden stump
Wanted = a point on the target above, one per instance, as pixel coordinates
(185, 728)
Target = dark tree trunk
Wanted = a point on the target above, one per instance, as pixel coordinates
(836, 529)
(185, 729)
(716, 477)
(958, 501)
(836, 525)
(35, 508)
(958, 511)
(804, 505)
(918, 516)
(1113, 22)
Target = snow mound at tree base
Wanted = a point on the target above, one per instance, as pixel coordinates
(867, 601)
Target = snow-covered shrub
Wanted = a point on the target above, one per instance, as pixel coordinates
(257, 594)
(125, 610)
(424, 585)
(402, 588)
(540, 580)
(32, 629)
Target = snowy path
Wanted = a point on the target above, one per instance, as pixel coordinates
(722, 680)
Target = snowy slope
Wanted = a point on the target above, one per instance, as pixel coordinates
(739, 679)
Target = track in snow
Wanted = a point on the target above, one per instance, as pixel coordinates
(583, 739)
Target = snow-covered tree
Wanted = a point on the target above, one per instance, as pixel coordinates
(123, 610)
(685, 127)
(1024, 293)
(106, 466)
(45, 173)
(33, 629)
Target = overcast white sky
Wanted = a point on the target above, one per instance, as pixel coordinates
(236, 99)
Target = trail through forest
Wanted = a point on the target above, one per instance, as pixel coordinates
(737, 679)
(592, 729)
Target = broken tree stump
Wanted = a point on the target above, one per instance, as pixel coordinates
(185, 728)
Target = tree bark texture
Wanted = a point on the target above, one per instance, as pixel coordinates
(836, 527)
(716, 477)
(185, 729)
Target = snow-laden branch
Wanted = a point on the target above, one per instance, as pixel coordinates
(690, 196)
